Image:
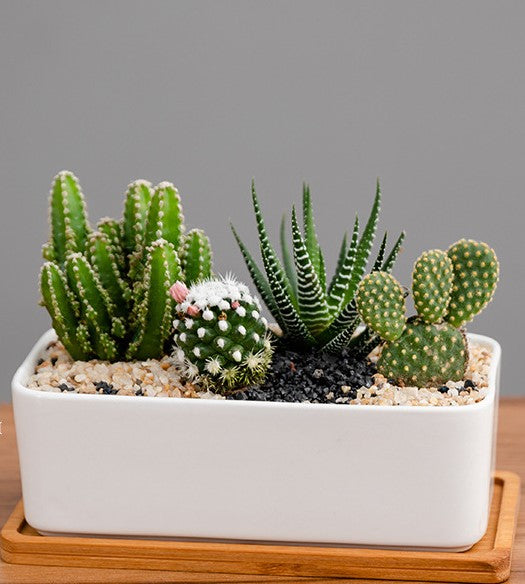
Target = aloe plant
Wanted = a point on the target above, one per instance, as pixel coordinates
(107, 289)
(311, 311)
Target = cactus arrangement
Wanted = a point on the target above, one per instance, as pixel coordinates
(449, 289)
(107, 289)
(142, 287)
(310, 311)
(221, 338)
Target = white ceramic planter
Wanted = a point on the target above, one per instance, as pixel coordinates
(417, 477)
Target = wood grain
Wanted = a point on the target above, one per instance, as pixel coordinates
(487, 562)
(511, 456)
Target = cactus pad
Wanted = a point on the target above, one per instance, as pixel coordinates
(431, 284)
(425, 354)
(476, 272)
(220, 336)
(381, 304)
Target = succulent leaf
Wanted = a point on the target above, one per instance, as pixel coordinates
(310, 295)
(378, 264)
(392, 256)
(288, 262)
(343, 338)
(343, 274)
(294, 327)
(432, 284)
(262, 285)
(476, 272)
(310, 234)
(364, 247)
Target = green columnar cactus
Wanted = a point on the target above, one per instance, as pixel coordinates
(448, 290)
(196, 256)
(310, 312)
(220, 336)
(107, 291)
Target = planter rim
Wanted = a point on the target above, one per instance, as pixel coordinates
(24, 370)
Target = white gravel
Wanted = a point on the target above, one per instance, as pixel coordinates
(57, 372)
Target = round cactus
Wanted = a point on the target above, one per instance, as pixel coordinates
(381, 304)
(220, 336)
(476, 272)
(425, 354)
(431, 284)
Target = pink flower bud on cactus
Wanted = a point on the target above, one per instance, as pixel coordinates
(179, 291)
(192, 310)
(235, 304)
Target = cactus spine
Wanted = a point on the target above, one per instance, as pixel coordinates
(107, 291)
(220, 336)
(449, 289)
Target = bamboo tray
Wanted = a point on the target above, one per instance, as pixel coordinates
(487, 561)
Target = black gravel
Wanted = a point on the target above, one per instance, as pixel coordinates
(65, 387)
(104, 387)
(311, 377)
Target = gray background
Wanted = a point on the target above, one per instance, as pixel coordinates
(430, 96)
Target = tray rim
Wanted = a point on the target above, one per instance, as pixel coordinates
(491, 565)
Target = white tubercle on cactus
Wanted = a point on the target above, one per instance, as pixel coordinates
(221, 334)
(210, 293)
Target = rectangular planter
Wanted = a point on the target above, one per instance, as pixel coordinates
(389, 476)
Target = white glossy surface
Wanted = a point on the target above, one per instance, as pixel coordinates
(167, 467)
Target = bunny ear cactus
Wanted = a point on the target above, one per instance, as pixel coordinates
(221, 338)
(430, 348)
(381, 302)
(107, 291)
(476, 272)
(311, 312)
